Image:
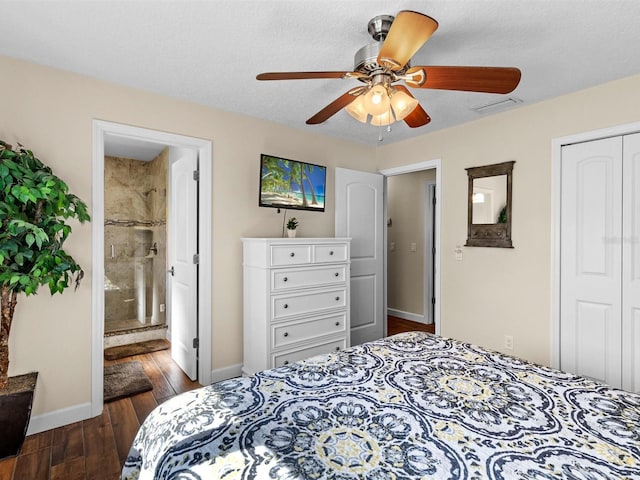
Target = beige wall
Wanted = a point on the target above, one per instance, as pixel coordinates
(490, 293)
(495, 291)
(51, 112)
(405, 268)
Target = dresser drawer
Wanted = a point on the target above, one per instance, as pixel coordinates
(307, 277)
(283, 334)
(287, 358)
(284, 306)
(330, 253)
(283, 255)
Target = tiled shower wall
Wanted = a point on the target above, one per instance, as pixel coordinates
(135, 221)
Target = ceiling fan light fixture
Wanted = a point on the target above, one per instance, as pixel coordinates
(358, 110)
(377, 100)
(402, 104)
(382, 119)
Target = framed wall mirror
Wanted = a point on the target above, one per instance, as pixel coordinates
(489, 205)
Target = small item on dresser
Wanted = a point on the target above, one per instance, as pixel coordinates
(292, 224)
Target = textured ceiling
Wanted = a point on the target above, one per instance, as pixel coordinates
(209, 52)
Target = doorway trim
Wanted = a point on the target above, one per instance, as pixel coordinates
(429, 247)
(102, 128)
(556, 204)
(417, 167)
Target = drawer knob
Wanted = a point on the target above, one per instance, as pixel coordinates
(337, 324)
(286, 362)
(337, 274)
(285, 279)
(337, 299)
(286, 334)
(286, 305)
(292, 254)
(331, 252)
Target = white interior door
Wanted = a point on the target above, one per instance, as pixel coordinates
(591, 260)
(182, 280)
(360, 216)
(631, 263)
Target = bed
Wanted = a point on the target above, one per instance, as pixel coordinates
(413, 405)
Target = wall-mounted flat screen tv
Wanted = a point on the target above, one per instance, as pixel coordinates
(291, 184)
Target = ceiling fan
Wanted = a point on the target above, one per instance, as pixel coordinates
(381, 64)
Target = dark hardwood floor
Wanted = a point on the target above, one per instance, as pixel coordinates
(95, 449)
(399, 325)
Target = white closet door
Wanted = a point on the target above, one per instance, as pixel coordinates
(631, 263)
(591, 260)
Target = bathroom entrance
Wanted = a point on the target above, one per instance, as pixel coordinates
(135, 237)
(152, 246)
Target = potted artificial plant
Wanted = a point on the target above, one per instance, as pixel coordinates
(292, 224)
(34, 207)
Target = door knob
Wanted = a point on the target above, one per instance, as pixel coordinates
(172, 271)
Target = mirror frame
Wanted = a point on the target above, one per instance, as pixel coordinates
(489, 234)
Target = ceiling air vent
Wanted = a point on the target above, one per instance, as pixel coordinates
(494, 107)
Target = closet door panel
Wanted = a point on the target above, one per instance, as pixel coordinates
(591, 227)
(631, 263)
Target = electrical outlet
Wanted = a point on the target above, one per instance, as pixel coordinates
(413, 246)
(508, 342)
(458, 253)
(161, 307)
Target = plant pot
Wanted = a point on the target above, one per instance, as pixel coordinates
(15, 411)
(291, 233)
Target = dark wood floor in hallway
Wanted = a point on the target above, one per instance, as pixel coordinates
(95, 449)
(399, 325)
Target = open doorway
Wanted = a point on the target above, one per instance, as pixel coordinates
(199, 315)
(360, 214)
(424, 205)
(410, 246)
(135, 237)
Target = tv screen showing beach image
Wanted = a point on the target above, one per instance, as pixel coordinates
(291, 184)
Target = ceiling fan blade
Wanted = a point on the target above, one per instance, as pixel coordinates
(418, 117)
(304, 75)
(408, 32)
(335, 106)
(469, 79)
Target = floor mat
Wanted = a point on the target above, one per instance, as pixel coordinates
(114, 353)
(123, 380)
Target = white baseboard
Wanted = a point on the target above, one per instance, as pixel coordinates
(414, 317)
(225, 373)
(66, 416)
(59, 418)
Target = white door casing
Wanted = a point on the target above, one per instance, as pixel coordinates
(102, 128)
(591, 260)
(429, 243)
(360, 216)
(631, 263)
(182, 279)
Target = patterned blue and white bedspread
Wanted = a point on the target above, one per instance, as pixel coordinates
(410, 406)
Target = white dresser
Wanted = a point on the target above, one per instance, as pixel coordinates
(296, 299)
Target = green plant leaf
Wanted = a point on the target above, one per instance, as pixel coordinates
(34, 206)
